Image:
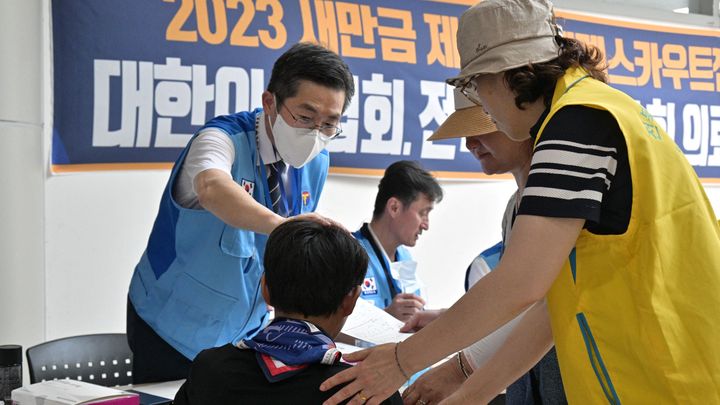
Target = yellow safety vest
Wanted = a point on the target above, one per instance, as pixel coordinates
(636, 317)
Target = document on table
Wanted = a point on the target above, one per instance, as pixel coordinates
(166, 389)
(373, 325)
(346, 348)
(71, 392)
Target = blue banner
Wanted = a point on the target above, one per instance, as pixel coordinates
(134, 79)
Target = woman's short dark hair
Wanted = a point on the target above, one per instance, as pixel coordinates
(310, 267)
(405, 180)
(537, 80)
(312, 62)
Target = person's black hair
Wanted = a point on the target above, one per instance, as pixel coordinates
(532, 81)
(405, 180)
(310, 267)
(312, 62)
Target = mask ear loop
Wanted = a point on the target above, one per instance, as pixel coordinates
(281, 182)
(277, 110)
(270, 125)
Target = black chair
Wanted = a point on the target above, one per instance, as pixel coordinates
(102, 359)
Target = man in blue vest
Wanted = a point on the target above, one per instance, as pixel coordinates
(405, 197)
(197, 284)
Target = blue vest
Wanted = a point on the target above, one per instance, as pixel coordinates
(491, 257)
(377, 286)
(198, 282)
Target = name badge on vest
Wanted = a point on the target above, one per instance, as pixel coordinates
(305, 198)
(248, 185)
(369, 287)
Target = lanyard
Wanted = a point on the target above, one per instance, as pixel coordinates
(365, 231)
(295, 176)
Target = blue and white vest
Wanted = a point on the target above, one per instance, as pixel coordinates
(198, 282)
(378, 286)
(483, 264)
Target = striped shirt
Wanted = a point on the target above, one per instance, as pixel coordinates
(580, 169)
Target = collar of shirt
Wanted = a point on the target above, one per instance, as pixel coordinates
(377, 242)
(265, 147)
(536, 128)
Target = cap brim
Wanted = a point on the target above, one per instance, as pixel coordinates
(466, 122)
(509, 56)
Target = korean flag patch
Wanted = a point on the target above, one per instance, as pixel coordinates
(369, 287)
(248, 185)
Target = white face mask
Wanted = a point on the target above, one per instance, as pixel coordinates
(296, 146)
(406, 273)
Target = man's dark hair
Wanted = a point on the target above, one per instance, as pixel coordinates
(312, 62)
(405, 180)
(536, 80)
(311, 267)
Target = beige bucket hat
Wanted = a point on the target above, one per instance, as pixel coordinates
(498, 35)
(468, 119)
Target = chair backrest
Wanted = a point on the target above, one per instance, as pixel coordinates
(102, 359)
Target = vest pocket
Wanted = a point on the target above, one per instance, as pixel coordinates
(237, 242)
(194, 313)
(596, 361)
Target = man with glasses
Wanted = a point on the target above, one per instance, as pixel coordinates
(197, 285)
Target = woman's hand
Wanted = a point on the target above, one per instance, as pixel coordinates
(373, 380)
(435, 385)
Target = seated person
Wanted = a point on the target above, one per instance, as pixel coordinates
(312, 279)
(406, 195)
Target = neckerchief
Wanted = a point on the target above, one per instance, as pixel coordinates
(287, 346)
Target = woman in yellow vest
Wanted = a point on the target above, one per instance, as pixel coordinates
(614, 232)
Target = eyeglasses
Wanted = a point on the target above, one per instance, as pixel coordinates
(328, 131)
(470, 91)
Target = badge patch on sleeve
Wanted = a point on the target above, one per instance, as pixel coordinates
(248, 185)
(369, 287)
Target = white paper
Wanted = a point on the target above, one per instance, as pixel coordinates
(166, 389)
(346, 348)
(373, 325)
(65, 392)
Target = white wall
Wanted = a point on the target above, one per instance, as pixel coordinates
(22, 177)
(96, 229)
(97, 225)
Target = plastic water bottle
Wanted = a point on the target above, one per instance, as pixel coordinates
(10, 371)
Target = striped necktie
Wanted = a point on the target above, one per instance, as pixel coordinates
(274, 178)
